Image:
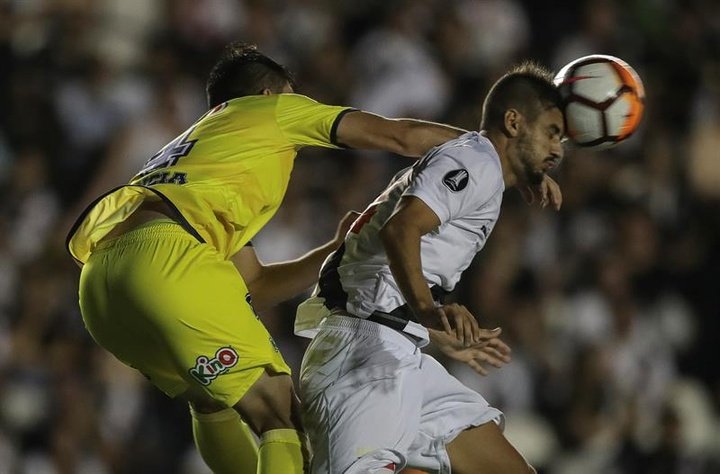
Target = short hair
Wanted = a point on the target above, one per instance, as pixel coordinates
(527, 87)
(243, 70)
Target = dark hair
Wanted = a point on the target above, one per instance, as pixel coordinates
(527, 87)
(243, 70)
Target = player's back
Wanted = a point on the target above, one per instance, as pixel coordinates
(226, 175)
(233, 164)
(236, 139)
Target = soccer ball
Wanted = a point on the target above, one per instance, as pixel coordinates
(603, 100)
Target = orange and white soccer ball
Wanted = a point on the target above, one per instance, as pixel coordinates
(603, 100)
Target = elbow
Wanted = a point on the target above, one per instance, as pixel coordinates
(254, 297)
(259, 297)
(414, 138)
(393, 232)
(388, 232)
(399, 137)
(260, 300)
(259, 306)
(405, 140)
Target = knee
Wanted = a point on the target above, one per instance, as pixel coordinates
(270, 404)
(202, 403)
(272, 416)
(515, 469)
(524, 469)
(520, 468)
(206, 406)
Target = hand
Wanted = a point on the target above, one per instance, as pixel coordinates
(344, 226)
(548, 191)
(456, 321)
(490, 350)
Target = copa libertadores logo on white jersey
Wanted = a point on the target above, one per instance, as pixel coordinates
(206, 370)
(456, 180)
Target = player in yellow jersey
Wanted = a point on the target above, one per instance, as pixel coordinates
(167, 273)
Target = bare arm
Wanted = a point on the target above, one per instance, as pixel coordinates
(407, 137)
(275, 283)
(401, 238)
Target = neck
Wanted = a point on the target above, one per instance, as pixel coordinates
(501, 144)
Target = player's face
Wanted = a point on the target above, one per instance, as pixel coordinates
(539, 147)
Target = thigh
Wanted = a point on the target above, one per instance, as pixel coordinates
(119, 328)
(448, 409)
(174, 296)
(361, 402)
(485, 449)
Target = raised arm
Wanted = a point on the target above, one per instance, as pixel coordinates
(407, 137)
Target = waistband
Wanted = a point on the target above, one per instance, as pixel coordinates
(346, 322)
(408, 327)
(155, 228)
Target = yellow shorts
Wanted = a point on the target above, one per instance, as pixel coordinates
(178, 312)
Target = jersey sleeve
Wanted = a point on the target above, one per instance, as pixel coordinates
(456, 182)
(306, 122)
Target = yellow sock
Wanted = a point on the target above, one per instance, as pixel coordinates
(225, 442)
(282, 452)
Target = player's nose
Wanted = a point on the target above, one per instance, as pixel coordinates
(557, 151)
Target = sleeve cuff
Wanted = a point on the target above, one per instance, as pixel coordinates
(336, 124)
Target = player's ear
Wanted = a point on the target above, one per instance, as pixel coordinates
(511, 122)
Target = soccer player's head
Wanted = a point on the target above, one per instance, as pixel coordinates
(243, 70)
(525, 107)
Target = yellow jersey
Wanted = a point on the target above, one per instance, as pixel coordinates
(225, 176)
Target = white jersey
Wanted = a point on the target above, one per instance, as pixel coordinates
(461, 181)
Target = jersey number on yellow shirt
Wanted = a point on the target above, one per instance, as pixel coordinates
(170, 154)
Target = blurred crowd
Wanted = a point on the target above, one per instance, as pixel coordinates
(610, 305)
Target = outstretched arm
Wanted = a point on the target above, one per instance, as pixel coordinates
(407, 137)
(275, 283)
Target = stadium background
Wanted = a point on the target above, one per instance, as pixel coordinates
(611, 305)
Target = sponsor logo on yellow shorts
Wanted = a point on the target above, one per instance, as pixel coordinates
(206, 370)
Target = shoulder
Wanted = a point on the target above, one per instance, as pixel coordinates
(291, 106)
(471, 147)
(295, 101)
(250, 104)
(270, 101)
(273, 100)
(474, 154)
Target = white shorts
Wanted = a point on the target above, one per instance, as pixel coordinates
(372, 398)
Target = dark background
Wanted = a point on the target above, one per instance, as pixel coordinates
(611, 305)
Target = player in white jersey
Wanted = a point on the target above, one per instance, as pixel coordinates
(372, 401)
